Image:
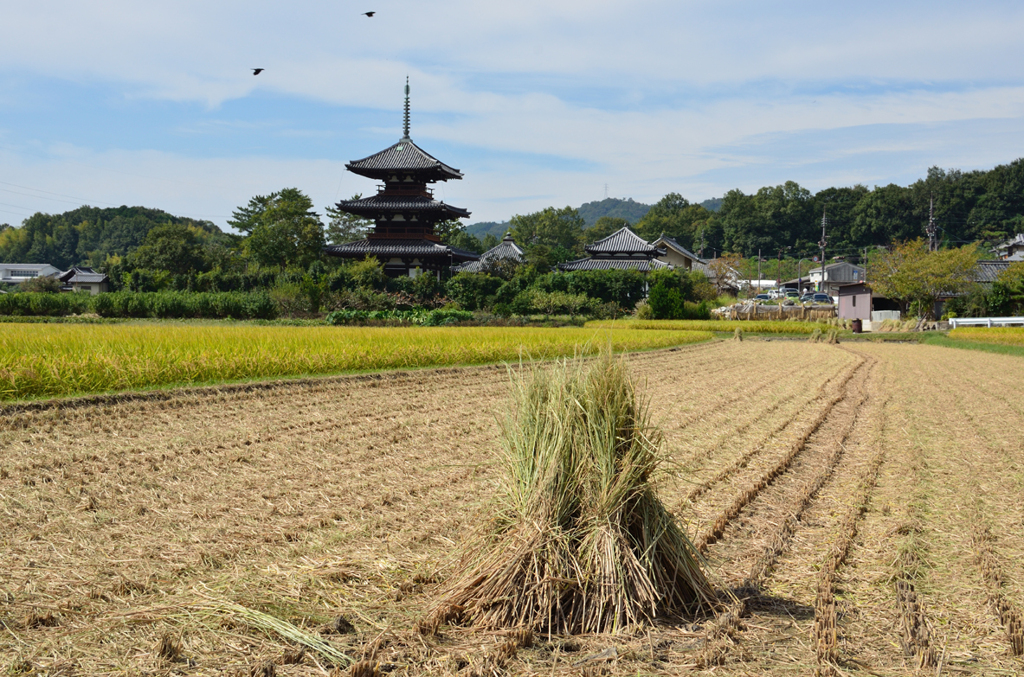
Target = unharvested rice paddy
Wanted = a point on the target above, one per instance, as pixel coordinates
(860, 501)
(60, 360)
(1006, 336)
(752, 326)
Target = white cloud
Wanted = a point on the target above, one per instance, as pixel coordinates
(649, 96)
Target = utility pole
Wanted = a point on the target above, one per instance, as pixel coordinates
(931, 228)
(778, 272)
(821, 245)
(700, 252)
(758, 271)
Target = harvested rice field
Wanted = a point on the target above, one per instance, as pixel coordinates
(859, 506)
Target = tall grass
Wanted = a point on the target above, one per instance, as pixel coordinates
(1005, 336)
(749, 326)
(54, 360)
(580, 541)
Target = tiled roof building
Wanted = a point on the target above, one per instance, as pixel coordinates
(506, 250)
(404, 210)
(622, 250)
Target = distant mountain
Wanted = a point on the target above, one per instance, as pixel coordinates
(484, 228)
(712, 204)
(613, 206)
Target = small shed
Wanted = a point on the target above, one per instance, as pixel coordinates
(854, 302)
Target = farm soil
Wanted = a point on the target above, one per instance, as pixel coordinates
(858, 505)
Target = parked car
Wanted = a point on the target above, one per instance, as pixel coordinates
(776, 294)
(821, 297)
(809, 296)
(792, 294)
(762, 297)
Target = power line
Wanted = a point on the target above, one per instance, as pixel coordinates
(39, 190)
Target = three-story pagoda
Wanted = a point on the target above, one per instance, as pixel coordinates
(404, 210)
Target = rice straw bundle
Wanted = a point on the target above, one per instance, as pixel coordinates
(580, 542)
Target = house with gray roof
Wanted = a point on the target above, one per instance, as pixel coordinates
(84, 279)
(16, 273)
(1012, 249)
(679, 257)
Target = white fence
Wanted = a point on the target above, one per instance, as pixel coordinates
(955, 322)
(880, 315)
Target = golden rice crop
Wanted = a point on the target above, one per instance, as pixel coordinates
(1006, 336)
(749, 326)
(61, 360)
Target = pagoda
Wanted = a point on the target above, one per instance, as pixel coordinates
(404, 210)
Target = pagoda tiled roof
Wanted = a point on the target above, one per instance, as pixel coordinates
(623, 241)
(613, 263)
(404, 157)
(507, 249)
(382, 203)
(418, 247)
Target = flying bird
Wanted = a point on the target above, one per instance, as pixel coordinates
(369, 14)
(257, 71)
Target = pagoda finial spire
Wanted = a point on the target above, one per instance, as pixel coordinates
(405, 120)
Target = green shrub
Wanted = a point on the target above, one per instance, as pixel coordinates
(44, 304)
(472, 291)
(48, 285)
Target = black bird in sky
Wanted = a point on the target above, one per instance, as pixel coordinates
(369, 14)
(257, 71)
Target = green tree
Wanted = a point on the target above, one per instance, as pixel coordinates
(453, 232)
(344, 227)
(1007, 297)
(49, 285)
(674, 216)
(551, 227)
(490, 241)
(916, 278)
(883, 216)
(174, 247)
(285, 231)
(603, 227)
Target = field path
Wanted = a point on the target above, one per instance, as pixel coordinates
(861, 504)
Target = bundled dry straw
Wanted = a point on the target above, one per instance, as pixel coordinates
(580, 542)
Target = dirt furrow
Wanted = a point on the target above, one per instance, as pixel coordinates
(751, 490)
(951, 529)
(744, 460)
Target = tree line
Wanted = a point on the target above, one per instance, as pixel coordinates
(282, 230)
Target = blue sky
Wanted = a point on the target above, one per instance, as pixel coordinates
(539, 103)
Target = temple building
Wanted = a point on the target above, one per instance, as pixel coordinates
(404, 210)
(621, 250)
(506, 251)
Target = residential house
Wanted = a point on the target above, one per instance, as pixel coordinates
(679, 257)
(83, 279)
(16, 273)
(829, 278)
(1012, 249)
